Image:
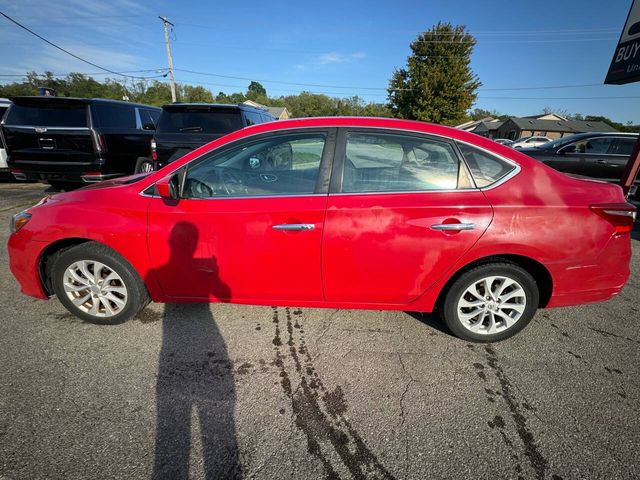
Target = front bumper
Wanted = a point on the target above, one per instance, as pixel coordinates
(24, 259)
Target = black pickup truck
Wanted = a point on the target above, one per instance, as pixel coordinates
(67, 142)
(599, 155)
(183, 127)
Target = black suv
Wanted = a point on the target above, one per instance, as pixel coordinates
(186, 126)
(599, 155)
(69, 141)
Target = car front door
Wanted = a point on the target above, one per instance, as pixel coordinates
(401, 211)
(249, 223)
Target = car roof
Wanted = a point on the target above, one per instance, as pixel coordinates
(449, 133)
(213, 106)
(35, 99)
(578, 136)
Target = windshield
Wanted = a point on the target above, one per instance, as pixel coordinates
(553, 144)
(69, 115)
(199, 121)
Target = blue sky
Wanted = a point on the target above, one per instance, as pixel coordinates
(353, 44)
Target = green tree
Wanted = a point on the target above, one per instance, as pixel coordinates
(256, 91)
(437, 84)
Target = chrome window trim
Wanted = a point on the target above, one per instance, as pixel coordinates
(407, 192)
(244, 197)
(499, 182)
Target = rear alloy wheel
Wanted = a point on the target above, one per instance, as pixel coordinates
(97, 285)
(144, 165)
(491, 302)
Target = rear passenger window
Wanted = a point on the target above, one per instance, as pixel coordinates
(397, 163)
(253, 118)
(113, 115)
(624, 146)
(147, 119)
(485, 168)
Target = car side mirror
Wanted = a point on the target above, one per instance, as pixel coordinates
(167, 187)
(148, 126)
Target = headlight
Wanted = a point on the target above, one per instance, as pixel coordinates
(19, 220)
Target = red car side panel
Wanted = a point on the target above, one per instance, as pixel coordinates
(544, 215)
(228, 250)
(381, 248)
(114, 217)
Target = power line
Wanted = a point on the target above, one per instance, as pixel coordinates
(157, 70)
(64, 50)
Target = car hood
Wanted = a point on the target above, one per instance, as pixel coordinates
(115, 182)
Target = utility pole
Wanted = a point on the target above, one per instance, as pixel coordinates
(166, 23)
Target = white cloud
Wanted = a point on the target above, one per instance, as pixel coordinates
(106, 33)
(336, 57)
(331, 58)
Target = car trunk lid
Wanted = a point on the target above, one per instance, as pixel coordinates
(44, 129)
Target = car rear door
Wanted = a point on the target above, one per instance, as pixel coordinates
(598, 159)
(249, 226)
(401, 211)
(121, 134)
(610, 165)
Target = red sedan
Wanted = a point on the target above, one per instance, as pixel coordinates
(334, 212)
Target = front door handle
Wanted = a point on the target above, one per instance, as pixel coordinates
(604, 162)
(456, 227)
(294, 226)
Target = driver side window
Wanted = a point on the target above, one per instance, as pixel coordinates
(279, 165)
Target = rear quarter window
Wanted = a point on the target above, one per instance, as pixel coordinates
(106, 115)
(486, 169)
(70, 115)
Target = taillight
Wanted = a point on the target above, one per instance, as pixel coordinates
(154, 153)
(620, 215)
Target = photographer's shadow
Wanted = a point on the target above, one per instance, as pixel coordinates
(195, 383)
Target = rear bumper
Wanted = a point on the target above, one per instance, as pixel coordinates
(61, 172)
(596, 282)
(24, 255)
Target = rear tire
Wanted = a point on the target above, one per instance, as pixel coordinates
(97, 284)
(144, 165)
(490, 303)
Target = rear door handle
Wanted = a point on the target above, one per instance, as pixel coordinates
(294, 226)
(453, 226)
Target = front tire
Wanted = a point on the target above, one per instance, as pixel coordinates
(97, 284)
(490, 303)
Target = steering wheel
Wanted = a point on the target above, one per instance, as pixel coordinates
(233, 182)
(197, 189)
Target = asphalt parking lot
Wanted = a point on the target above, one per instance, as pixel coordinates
(226, 391)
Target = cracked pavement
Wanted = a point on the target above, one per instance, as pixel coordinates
(226, 391)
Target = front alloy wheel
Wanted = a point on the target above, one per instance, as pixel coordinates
(96, 284)
(95, 289)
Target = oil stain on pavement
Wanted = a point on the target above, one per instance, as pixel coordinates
(319, 412)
